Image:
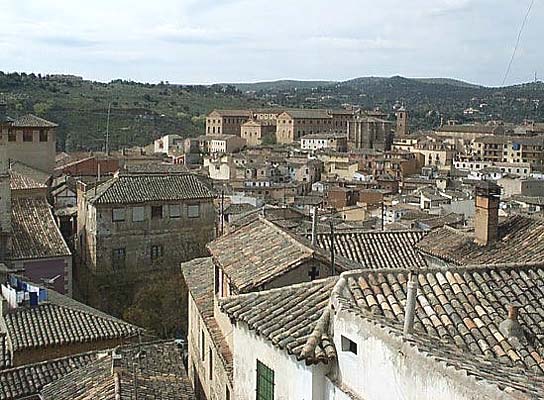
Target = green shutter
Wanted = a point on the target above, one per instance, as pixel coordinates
(265, 382)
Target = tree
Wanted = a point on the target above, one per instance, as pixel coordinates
(160, 305)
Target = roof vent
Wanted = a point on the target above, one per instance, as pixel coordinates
(511, 327)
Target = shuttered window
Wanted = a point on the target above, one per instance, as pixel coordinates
(265, 382)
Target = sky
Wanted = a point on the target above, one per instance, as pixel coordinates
(210, 41)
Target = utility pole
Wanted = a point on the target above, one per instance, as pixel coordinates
(222, 210)
(333, 272)
(383, 214)
(108, 130)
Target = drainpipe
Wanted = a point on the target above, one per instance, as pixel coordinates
(410, 310)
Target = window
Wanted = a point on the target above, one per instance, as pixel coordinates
(175, 210)
(156, 251)
(265, 382)
(138, 214)
(28, 135)
(210, 364)
(118, 214)
(12, 135)
(156, 212)
(202, 346)
(349, 345)
(227, 393)
(193, 210)
(43, 135)
(118, 258)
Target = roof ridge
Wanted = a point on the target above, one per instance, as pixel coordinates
(279, 289)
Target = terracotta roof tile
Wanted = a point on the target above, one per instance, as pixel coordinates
(258, 252)
(293, 318)
(520, 240)
(394, 249)
(462, 307)
(153, 371)
(28, 380)
(32, 121)
(35, 233)
(126, 189)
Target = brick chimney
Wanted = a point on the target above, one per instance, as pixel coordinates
(486, 218)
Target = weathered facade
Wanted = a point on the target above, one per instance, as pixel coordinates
(144, 222)
(29, 139)
(226, 122)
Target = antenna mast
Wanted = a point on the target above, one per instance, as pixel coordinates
(108, 131)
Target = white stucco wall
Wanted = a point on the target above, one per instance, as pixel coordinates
(387, 369)
(293, 379)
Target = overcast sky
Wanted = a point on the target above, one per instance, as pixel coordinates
(205, 41)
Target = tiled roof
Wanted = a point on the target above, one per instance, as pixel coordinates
(126, 189)
(33, 173)
(24, 182)
(309, 114)
(147, 372)
(520, 240)
(458, 313)
(376, 249)
(156, 169)
(257, 253)
(293, 318)
(62, 321)
(28, 380)
(233, 113)
(35, 233)
(199, 275)
(489, 129)
(242, 208)
(32, 121)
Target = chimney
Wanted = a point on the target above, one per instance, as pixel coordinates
(314, 225)
(486, 218)
(510, 327)
(410, 310)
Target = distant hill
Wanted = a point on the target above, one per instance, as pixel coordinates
(448, 81)
(140, 112)
(279, 85)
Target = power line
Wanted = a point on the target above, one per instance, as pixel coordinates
(517, 42)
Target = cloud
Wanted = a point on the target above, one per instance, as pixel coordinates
(194, 35)
(69, 41)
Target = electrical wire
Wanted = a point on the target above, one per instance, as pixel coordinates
(518, 41)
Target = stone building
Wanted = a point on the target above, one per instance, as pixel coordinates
(30, 240)
(144, 222)
(225, 144)
(321, 141)
(291, 125)
(402, 128)
(255, 131)
(366, 132)
(226, 122)
(509, 149)
(29, 139)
